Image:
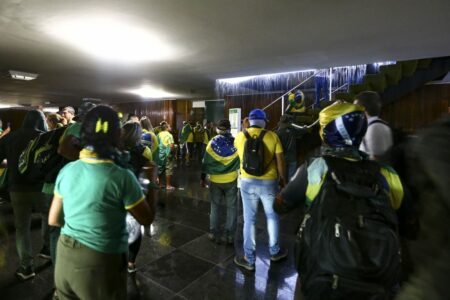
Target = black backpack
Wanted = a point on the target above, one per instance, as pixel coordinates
(347, 246)
(40, 160)
(254, 150)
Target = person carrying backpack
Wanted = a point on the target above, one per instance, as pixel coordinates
(378, 139)
(347, 246)
(25, 194)
(262, 169)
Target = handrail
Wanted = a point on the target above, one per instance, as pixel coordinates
(304, 81)
(337, 89)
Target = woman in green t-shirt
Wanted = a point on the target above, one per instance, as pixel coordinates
(94, 194)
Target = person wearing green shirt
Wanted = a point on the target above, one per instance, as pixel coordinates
(94, 194)
(165, 158)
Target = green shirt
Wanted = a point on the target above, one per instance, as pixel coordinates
(73, 129)
(96, 195)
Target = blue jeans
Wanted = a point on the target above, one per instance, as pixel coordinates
(228, 192)
(253, 190)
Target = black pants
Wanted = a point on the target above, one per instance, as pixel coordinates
(133, 249)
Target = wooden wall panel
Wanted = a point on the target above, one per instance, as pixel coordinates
(418, 108)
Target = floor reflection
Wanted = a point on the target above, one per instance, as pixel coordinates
(177, 260)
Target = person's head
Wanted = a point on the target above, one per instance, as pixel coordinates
(35, 119)
(164, 126)
(53, 120)
(371, 102)
(258, 118)
(84, 108)
(133, 118)
(68, 113)
(101, 130)
(209, 124)
(285, 121)
(223, 126)
(131, 135)
(146, 123)
(342, 125)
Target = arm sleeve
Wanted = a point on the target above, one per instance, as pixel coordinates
(294, 193)
(59, 184)
(132, 193)
(147, 154)
(278, 146)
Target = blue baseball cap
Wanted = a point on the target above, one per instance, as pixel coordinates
(257, 114)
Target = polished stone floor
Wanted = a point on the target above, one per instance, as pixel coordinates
(177, 261)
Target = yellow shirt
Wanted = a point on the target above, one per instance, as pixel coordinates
(273, 147)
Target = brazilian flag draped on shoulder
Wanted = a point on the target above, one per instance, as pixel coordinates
(221, 156)
(187, 129)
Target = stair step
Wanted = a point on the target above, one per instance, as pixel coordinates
(376, 82)
(409, 67)
(393, 73)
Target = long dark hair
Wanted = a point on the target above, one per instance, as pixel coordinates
(101, 130)
(131, 135)
(146, 123)
(35, 119)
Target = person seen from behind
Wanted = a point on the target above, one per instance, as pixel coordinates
(378, 139)
(256, 188)
(91, 199)
(288, 136)
(25, 194)
(140, 160)
(165, 158)
(347, 246)
(221, 163)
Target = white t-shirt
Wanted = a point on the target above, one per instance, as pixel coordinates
(378, 138)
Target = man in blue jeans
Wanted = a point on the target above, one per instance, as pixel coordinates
(264, 188)
(221, 163)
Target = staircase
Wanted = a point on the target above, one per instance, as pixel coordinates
(396, 80)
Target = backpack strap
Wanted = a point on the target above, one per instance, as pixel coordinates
(355, 178)
(379, 121)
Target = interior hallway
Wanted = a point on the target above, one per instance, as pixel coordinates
(178, 261)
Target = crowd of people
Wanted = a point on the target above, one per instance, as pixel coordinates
(352, 202)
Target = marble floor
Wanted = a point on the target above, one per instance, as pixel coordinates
(176, 260)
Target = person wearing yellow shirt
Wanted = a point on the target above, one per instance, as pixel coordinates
(260, 188)
(221, 163)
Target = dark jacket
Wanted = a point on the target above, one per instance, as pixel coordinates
(13, 144)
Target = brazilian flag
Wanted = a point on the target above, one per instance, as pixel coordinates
(187, 129)
(221, 156)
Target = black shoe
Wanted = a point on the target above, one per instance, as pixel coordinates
(214, 238)
(25, 273)
(280, 255)
(228, 240)
(242, 262)
(45, 253)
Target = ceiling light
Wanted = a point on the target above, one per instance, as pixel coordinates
(51, 109)
(9, 105)
(148, 91)
(22, 75)
(110, 38)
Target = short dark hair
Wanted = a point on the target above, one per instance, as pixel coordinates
(371, 102)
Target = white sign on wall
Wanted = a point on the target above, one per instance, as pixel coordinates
(234, 116)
